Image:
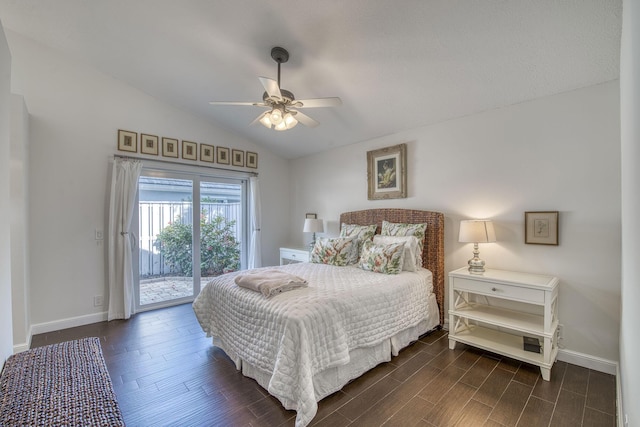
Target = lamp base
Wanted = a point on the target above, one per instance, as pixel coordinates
(312, 243)
(476, 265)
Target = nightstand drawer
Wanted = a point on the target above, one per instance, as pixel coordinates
(499, 290)
(293, 255)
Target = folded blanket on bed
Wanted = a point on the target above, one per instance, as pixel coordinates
(270, 282)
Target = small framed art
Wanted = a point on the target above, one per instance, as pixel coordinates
(541, 228)
(237, 157)
(127, 141)
(206, 153)
(170, 147)
(311, 216)
(189, 150)
(223, 155)
(387, 172)
(252, 160)
(148, 144)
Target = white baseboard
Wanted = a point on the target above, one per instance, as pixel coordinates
(18, 348)
(588, 361)
(621, 420)
(56, 325)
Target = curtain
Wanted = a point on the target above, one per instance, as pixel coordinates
(124, 185)
(255, 251)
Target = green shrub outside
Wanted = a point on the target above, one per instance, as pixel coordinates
(219, 248)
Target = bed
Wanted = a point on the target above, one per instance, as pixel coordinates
(305, 344)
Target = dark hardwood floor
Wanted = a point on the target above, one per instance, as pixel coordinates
(166, 373)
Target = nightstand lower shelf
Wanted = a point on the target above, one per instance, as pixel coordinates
(503, 343)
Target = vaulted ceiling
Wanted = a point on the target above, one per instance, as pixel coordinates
(396, 64)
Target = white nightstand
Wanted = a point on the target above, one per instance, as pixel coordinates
(527, 306)
(293, 255)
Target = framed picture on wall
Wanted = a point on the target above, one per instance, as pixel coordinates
(189, 150)
(127, 141)
(237, 158)
(148, 144)
(206, 153)
(170, 147)
(252, 160)
(541, 228)
(387, 172)
(223, 155)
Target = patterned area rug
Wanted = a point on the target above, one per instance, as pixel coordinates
(64, 384)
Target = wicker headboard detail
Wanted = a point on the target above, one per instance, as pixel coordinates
(433, 252)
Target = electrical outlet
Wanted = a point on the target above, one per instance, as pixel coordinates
(99, 234)
(560, 333)
(98, 301)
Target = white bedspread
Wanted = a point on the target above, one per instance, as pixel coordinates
(296, 334)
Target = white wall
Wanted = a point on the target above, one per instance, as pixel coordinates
(6, 330)
(557, 153)
(75, 113)
(630, 136)
(19, 224)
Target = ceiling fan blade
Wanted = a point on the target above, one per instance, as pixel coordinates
(317, 102)
(305, 120)
(271, 86)
(254, 104)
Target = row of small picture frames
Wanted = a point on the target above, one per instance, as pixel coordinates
(149, 144)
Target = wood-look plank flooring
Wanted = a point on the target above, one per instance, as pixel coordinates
(166, 373)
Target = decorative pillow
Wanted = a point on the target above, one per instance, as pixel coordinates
(385, 259)
(410, 248)
(335, 251)
(400, 229)
(360, 232)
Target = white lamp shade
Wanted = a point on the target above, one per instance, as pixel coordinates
(266, 122)
(289, 120)
(312, 225)
(476, 231)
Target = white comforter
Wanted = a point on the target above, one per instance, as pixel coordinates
(299, 333)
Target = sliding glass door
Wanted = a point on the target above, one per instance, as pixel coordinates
(190, 229)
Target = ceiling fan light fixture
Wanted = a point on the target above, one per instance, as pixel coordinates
(289, 120)
(281, 126)
(266, 121)
(276, 116)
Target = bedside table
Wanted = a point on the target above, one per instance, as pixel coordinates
(527, 306)
(293, 255)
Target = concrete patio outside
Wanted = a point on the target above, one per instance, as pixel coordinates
(161, 289)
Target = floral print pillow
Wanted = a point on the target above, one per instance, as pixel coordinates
(335, 251)
(410, 248)
(360, 232)
(387, 259)
(400, 229)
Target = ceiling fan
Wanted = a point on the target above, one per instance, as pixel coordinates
(282, 113)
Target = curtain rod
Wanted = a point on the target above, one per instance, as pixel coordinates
(122, 156)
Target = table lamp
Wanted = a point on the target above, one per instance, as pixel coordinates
(313, 225)
(476, 231)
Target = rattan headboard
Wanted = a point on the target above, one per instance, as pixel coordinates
(433, 252)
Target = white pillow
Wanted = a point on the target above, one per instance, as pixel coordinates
(410, 248)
